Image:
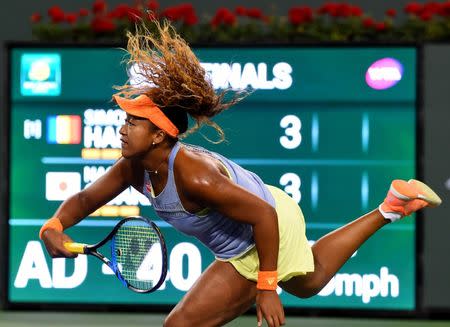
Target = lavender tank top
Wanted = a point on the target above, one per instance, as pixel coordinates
(225, 237)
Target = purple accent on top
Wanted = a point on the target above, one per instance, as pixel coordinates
(225, 237)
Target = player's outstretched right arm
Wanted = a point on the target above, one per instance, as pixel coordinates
(80, 205)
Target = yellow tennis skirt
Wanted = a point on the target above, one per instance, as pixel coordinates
(295, 256)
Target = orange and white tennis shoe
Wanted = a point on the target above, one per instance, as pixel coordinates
(404, 198)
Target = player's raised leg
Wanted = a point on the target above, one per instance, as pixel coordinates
(334, 249)
(218, 296)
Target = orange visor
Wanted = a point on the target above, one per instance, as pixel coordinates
(143, 106)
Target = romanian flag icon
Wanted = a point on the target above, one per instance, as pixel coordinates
(64, 129)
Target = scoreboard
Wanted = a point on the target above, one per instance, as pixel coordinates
(332, 126)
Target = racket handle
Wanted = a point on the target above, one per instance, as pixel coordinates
(75, 247)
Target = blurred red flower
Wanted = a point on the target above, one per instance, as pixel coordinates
(328, 8)
(56, 14)
(356, 11)
(36, 17)
(391, 12)
(444, 10)
(102, 24)
(183, 12)
(343, 10)
(223, 16)
(153, 5)
(432, 7)
(71, 18)
(368, 22)
(413, 8)
(300, 15)
(229, 19)
(254, 13)
(381, 26)
(186, 8)
(240, 11)
(426, 16)
(191, 19)
(99, 6)
(83, 12)
(171, 13)
(120, 11)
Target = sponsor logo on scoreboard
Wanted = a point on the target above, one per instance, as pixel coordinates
(40, 74)
(384, 73)
(61, 185)
(64, 129)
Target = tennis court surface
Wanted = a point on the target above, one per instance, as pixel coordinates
(70, 319)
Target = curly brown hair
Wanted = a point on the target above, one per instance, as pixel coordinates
(173, 78)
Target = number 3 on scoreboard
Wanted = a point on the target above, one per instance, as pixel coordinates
(292, 138)
(292, 183)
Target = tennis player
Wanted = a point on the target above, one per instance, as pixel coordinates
(256, 231)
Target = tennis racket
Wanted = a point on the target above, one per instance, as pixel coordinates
(138, 253)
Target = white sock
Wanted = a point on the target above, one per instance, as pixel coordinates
(392, 216)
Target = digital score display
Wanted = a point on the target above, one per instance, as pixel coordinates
(330, 126)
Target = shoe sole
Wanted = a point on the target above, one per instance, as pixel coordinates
(426, 193)
(403, 190)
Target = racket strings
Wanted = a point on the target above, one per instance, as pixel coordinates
(137, 253)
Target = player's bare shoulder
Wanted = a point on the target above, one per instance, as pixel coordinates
(193, 167)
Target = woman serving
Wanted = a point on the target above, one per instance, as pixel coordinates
(256, 231)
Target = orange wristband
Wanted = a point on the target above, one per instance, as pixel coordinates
(267, 280)
(52, 223)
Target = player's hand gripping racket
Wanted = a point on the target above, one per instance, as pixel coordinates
(138, 253)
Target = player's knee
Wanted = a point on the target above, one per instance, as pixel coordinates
(308, 292)
(177, 318)
(172, 321)
(302, 290)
